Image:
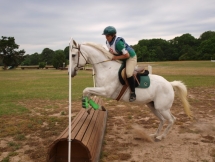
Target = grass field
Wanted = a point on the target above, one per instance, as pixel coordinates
(192, 73)
(27, 93)
(18, 85)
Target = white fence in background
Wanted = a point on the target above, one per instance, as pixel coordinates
(150, 69)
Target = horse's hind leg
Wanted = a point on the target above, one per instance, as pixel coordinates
(171, 119)
(159, 116)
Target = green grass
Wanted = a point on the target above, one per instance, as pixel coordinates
(8, 108)
(185, 64)
(80, 82)
(27, 84)
(40, 84)
(18, 85)
(193, 80)
(192, 73)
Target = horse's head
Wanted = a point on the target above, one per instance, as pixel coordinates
(77, 59)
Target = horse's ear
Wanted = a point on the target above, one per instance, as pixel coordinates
(71, 42)
(74, 42)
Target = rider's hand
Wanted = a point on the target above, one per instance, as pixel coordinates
(114, 58)
(111, 50)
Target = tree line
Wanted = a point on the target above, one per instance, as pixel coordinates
(11, 56)
(184, 47)
(48, 57)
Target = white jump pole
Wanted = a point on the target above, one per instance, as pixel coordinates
(70, 101)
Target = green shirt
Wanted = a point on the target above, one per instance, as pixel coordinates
(120, 45)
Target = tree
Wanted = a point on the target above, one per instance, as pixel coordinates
(141, 53)
(207, 48)
(1, 64)
(35, 59)
(47, 56)
(152, 50)
(66, 52)
(188, 53)
(27, 60)
(59, 59)
(8, 52)
(206, 35)
(160, 54)
(185, 45)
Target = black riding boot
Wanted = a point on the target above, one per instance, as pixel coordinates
(132, 87)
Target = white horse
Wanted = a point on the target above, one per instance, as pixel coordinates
(158, 97)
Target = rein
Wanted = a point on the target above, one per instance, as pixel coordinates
(80, 53)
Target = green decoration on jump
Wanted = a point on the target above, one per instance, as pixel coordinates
(94, 105)
(86, 103)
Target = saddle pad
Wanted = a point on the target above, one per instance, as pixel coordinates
(144, 82)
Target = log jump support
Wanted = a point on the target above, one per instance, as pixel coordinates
(87, 133)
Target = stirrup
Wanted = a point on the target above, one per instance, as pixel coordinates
(132, 97)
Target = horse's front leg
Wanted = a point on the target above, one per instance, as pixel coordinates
(99, 91)
(87, 102)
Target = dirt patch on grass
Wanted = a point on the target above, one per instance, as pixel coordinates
(26, 137)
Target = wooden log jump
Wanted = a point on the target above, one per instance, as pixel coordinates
(87, 132)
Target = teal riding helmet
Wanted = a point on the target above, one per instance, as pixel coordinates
(109, 30)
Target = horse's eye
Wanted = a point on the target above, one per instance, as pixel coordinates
(73, 55)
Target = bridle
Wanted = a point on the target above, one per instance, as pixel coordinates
(81, 54)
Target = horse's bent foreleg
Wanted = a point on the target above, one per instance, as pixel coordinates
(171, 119)
(159, 116)
(99, 91)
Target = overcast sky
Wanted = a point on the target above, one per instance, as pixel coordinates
(39, 24)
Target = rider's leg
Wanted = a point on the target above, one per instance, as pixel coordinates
(132, 88)
(130, 65)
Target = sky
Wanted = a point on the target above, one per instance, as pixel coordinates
(39, 24)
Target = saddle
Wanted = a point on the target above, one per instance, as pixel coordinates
(141, 79)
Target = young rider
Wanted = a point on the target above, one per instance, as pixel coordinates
(122, 51)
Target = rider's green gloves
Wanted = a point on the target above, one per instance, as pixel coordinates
(86, 103)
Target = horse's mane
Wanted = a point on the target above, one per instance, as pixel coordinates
(102, 49)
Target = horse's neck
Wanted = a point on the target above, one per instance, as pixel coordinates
(104, 68)
(109, 68)
(106, 74)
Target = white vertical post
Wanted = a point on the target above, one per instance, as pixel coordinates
(150, 69)
(70, 101)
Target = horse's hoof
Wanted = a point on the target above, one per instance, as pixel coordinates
(158, 138)
(153, 135)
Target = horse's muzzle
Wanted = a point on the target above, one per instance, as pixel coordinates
(74, 74)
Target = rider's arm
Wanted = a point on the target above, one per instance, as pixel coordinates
(121, 47)
(121, 57)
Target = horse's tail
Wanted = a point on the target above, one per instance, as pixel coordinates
(181, 90)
